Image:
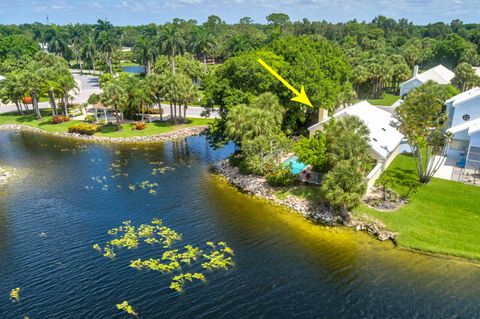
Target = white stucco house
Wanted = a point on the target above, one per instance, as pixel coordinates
(439, 74)
(384, 140)
(464, 123)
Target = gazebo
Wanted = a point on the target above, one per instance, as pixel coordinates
(107, 113)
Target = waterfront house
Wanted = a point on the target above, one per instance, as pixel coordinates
(384, 140)
(464, 124)
(438, 74)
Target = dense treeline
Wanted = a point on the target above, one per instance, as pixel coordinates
(382, 53)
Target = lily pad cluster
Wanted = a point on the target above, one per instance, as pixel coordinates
(216, 256)
(124, 306)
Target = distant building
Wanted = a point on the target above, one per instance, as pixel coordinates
(438, 74)
(384, 139)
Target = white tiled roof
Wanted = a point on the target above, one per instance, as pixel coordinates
(384, 138)
(439, 74)
(472, 127)
(464, 96)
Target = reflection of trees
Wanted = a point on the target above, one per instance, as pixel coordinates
(3, 223)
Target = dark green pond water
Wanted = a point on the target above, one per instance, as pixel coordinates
(285, 267)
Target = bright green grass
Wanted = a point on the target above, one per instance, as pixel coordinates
(151, 128)
(441, 217)
(108, 130)
(122, 64)
(387, 100)
(45, 123)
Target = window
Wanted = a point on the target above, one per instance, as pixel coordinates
(466, 117)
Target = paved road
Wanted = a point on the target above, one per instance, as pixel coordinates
(88, 85)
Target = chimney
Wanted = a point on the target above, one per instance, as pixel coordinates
(322, 115)
(415, 70)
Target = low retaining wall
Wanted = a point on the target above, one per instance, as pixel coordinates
(320, 213)
(181, 133)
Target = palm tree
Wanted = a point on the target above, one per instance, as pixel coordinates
(344, 187)
(106, 41)
(75, 35)
(171, 93)
(144, 50)
(11, 90)
(32, 81)
(57, 41)
(172, 42)
(51, 85)
(155, 86)
(203, 43)
(67, 85)
(114, 95)
(89, 49)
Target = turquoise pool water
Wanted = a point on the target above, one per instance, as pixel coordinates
(295, 166)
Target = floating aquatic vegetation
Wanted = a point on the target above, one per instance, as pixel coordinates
(132, 187)
(105, 188)
(15, 295)
(221, 258)
(152, 191)
(124, 306)
(179, 281)
(218, 257)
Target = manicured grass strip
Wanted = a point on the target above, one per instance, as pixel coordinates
(151, 128)
(441, 217)
(108, 130)
(387, 100)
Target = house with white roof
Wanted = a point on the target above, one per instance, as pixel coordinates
(384, 137)
(438, 74)
(464, 124)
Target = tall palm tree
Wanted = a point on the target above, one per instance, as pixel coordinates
(11, 90)
(203, 43)
(67, 85)
(171, 93)
(106, 41)
(144, 50)
(155, 86)
(114, 95)
(172, 42)
(75, 35)
(57, 41)
(189, 93)
(32, 81)
(89, 48)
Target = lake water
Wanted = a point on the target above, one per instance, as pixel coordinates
(286, 267)
(134, 69)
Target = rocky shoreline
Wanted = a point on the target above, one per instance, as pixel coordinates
(181, 133)
(319, 213)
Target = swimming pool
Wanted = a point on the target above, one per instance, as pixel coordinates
(295, 166)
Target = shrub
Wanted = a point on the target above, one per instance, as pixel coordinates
(90, 119)
(83, 129)
(139, 126)
(57, 119)
(280, 175)
(93, 99)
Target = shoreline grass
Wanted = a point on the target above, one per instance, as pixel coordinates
(106, 131)
(442, 217)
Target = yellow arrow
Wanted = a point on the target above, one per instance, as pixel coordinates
(300, 96)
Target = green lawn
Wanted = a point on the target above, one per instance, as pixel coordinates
(108, 130)
(441, 217)
(387, 100)
(151, 129)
